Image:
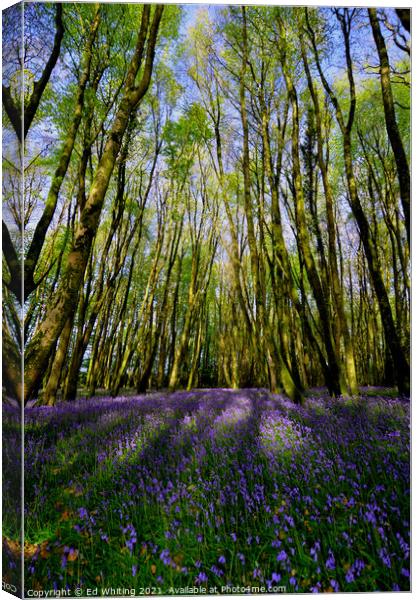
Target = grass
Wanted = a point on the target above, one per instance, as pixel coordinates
(217, 488)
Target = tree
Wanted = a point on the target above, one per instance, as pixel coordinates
(39, 349)
(399, 359)
(401, 161)
(225, 212)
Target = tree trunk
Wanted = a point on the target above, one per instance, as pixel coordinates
(334, 374)
(399, 359)
(39, 349)
(51, 389)
(403, 170)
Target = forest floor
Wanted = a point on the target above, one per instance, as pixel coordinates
(215, 488)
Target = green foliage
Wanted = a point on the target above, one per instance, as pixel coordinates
(183, 136)
(193, 178)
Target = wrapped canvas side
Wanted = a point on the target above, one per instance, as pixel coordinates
(12, 310)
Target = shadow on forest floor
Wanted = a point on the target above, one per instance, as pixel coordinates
(216, 464)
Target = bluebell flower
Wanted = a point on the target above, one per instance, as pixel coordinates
(330, 562)
(281, 556)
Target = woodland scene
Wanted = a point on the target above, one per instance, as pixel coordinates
(206, 298)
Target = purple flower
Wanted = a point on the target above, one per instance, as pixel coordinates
(83, 514)
(165, 557)
(314, 550)
(370, 517)
(358, 566)
(403, 545)
(334, 585)
(384, 556)
(350, 576)
(330, 562)
(281, 556)
(201, 578)
(218, 572)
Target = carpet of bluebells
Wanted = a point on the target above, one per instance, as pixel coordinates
(214, 488)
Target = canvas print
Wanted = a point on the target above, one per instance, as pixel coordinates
(206, 299)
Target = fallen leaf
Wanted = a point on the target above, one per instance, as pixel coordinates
(74, 491)
(73, 555)
(44, 550)
(30, 549)
(15, 549)
(38, 586)
(12, 546)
